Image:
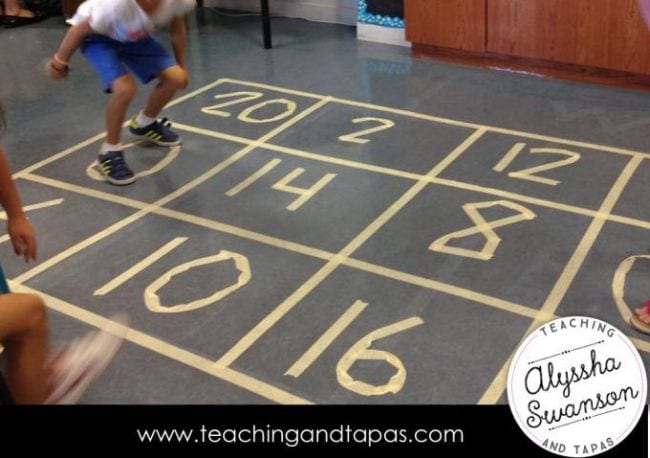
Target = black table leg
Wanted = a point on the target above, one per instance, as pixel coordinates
(6, 399)
(266, 23)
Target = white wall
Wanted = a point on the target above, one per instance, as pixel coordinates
(337, 11)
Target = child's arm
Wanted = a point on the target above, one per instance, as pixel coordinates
(178, 36)
(57, 68)
(21, 231)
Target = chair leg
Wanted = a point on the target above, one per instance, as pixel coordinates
(6, 399)
(266, 23)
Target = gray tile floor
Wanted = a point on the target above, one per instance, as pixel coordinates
(325, 201)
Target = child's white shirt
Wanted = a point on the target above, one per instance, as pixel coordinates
(124, 20)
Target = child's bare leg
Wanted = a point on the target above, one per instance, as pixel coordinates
(170, 81)
(24, 334)
(123, 91)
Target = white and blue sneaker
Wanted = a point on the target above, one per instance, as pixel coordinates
(113, 166)
(158, 132)
(75, 366)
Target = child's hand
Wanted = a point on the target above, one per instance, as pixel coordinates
(56, 71)
(22, 237)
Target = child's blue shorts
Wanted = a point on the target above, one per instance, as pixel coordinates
(146, 58)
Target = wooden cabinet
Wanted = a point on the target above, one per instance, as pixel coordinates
(608, 34)
(458, 24)
(596, 33)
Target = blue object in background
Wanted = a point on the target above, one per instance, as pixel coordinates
(367, 17)
(4, 286)
(5, 395)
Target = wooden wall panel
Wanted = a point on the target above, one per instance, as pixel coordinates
(541, 29)
(612, 34)
(69, 7)
(599, 33)
(457, 24)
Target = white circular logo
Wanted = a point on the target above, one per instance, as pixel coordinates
(577, 386)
